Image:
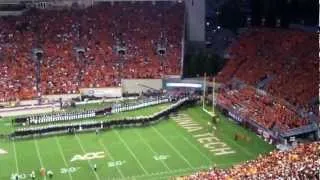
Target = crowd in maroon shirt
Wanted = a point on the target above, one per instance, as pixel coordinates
(97, 30)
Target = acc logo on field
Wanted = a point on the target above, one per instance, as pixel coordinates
(3, 151)
(88, 156)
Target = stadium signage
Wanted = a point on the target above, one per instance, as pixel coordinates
(208, 140)
(88, 156)
(235, 117)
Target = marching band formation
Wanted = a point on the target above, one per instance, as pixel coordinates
(94, 125)
(48, 118)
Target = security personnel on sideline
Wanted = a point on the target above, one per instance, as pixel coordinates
(50, 174)
(33, 175)
(95, 167)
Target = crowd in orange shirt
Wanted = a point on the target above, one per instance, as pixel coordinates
(268, 112)
(97, 30)
(302, 162)
(289, 56)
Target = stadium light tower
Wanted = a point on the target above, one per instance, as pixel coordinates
(37, 56)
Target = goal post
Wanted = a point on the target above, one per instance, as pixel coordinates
(212, 114)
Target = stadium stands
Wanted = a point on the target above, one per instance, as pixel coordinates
(266, 111)
(282, 63)
(81, 47)
(280, 55)
(302, 162)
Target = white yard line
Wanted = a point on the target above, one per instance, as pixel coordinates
(108, 152)
(89, 162)
(15, 156)
(148, 145)
(122, 140)
(62, 155)
(189, 164)
(39, 156)
(197, 149)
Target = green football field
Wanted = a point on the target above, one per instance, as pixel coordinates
(170, 148)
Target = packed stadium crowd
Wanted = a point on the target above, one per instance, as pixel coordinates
(267, 111)
(302, 162)
(98, 31)
(278, 62)
(282, 74)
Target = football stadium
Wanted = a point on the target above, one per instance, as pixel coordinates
(159, 89)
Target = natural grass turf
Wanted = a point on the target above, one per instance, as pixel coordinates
(93, 106)
(135, 147)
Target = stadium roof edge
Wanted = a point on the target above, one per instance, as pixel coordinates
(35, 1)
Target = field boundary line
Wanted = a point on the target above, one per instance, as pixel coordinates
(15, 157)
(62, 155)
(107, 151)
(188, 141)
(89, 162)
(148, 145)
(122, 140)
(159, 133)
(239, 146)
(39, 156)
(171, 173)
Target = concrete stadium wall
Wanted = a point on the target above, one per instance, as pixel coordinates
(140, 85)
(195, 10)
(112, 92)
(20, 111)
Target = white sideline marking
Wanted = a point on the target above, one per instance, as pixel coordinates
(15, 157)
(240, 147)
(144, 170)
(189, 164)
(167, 174)
(39, 156)
(107, 151)
(89, 162)
(62, 155)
